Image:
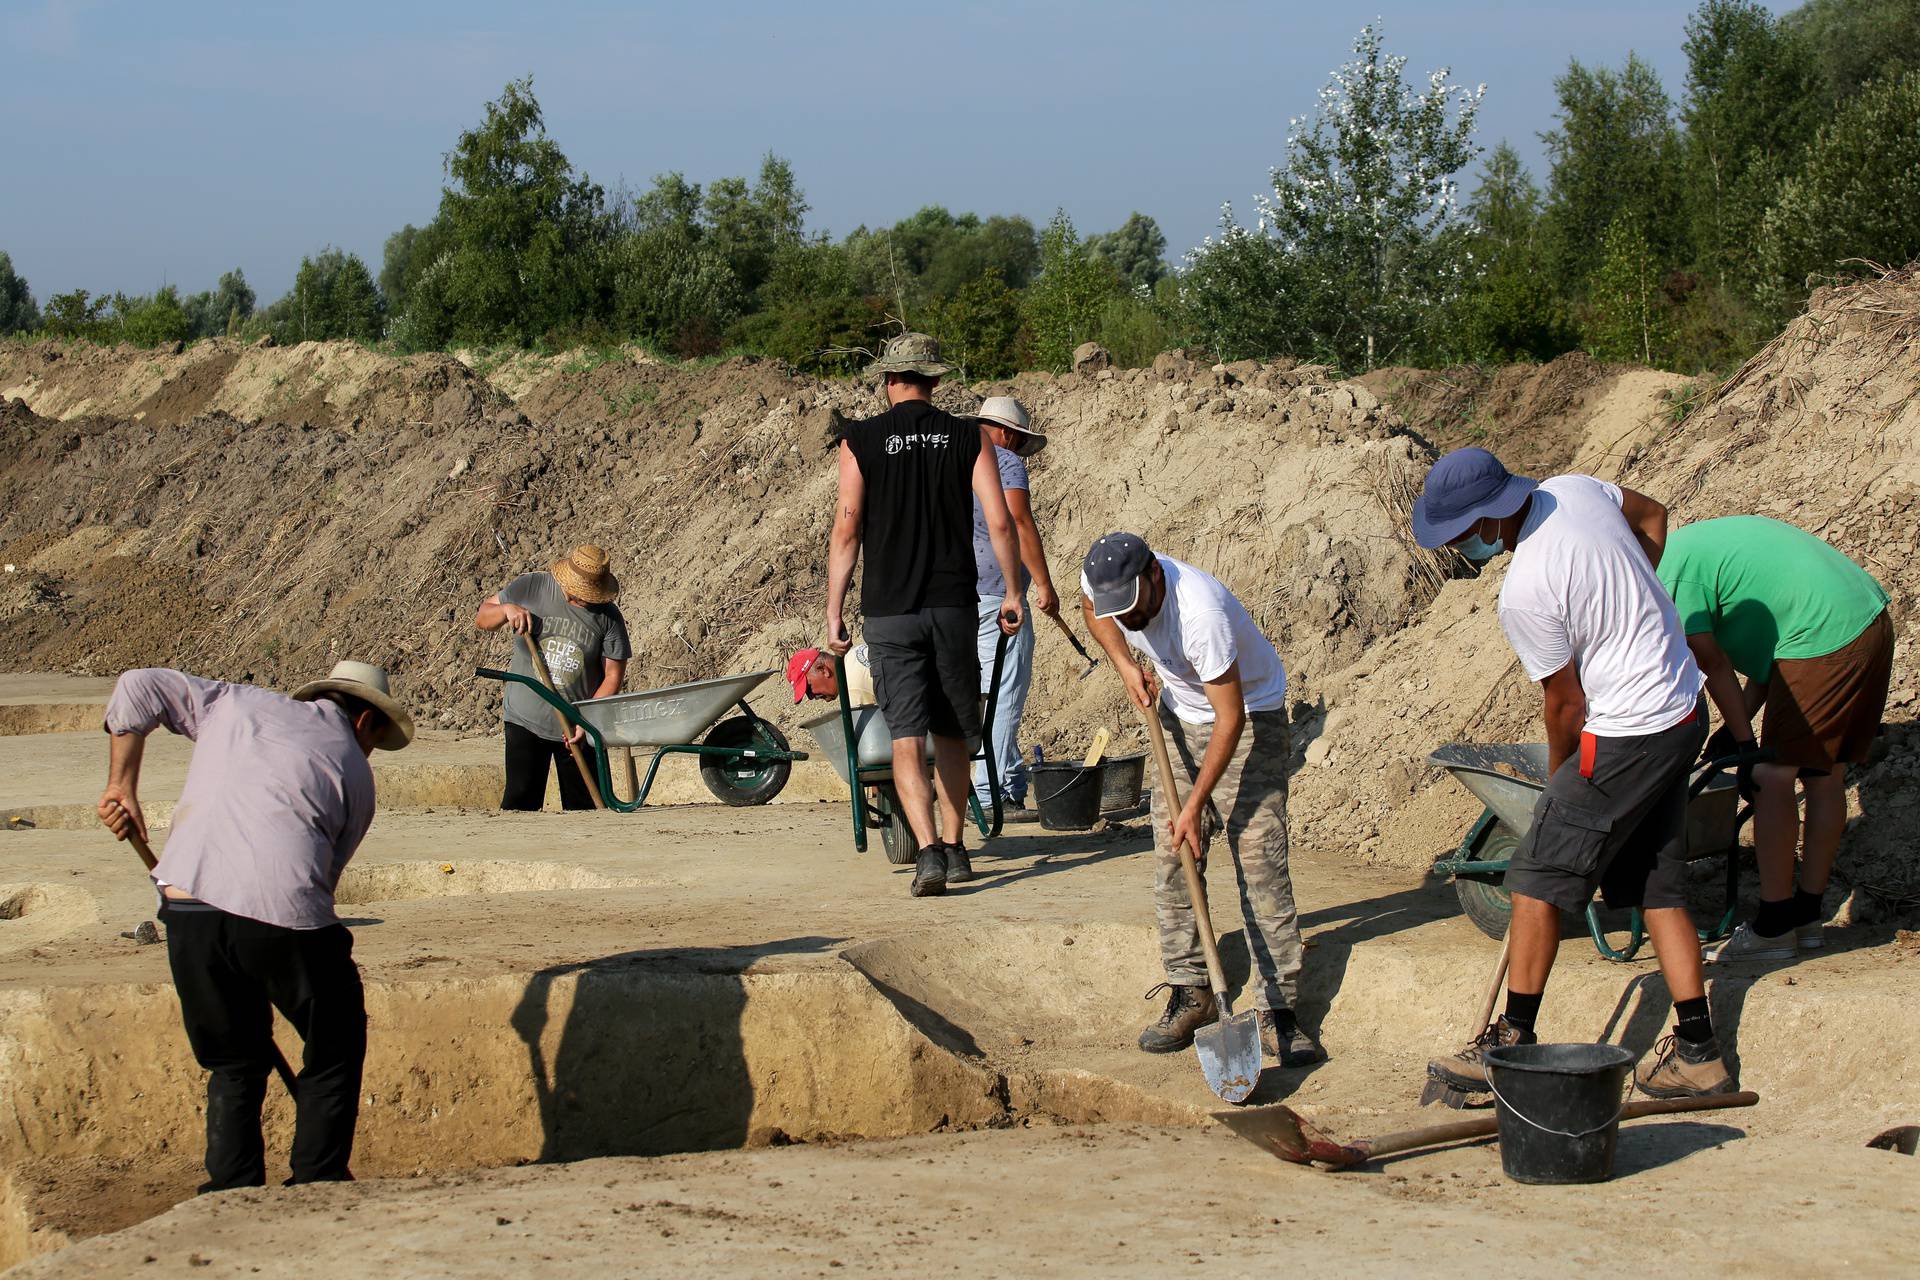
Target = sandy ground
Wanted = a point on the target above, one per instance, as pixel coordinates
(924, 1086)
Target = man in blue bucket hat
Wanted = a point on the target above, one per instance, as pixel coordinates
(1222, 699)
(1589, 620)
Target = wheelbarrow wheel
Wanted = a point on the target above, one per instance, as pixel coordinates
(1485, 900)
(745, 780)
(896, 834)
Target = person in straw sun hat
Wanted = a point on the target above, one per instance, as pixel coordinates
(569, 612)
(277, 798)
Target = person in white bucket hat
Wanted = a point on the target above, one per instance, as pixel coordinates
(1010, 429)
(278, 796)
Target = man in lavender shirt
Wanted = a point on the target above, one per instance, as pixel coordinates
(277, 799)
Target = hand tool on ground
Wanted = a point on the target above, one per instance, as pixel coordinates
(566, 730)
(1229, 1050)
(1291, 1136)
(280, 1067)
(1078, 648)
(1436, 1088)
(1903, 1138)
(1098, 750)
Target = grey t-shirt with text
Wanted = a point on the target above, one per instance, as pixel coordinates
(575, 641)
(987, 579)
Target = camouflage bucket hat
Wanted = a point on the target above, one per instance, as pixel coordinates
(911, 353)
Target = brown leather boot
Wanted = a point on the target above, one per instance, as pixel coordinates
(1680, 1069)
(1467, 1069)
(1188, 1010)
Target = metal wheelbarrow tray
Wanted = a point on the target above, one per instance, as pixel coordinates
(744, 761)
(1508, 777)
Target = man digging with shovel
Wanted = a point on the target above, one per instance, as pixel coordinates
(1223, 699)
(1589, 620)
(277, 799)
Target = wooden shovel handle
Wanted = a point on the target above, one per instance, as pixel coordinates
(141, 847)
(1196, 890)
(566, 729)
(1486, 1126)
(1072, 639)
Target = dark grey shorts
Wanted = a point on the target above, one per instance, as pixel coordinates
(926, 672)
(1623, 831)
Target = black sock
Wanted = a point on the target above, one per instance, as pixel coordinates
(1807, 907)
(1692, 1022)
(1774, 918)
(1522, 1010)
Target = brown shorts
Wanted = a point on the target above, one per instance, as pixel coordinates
(1826, 711)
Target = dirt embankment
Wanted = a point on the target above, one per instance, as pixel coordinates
(256, 513)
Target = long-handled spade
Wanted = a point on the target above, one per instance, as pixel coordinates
(566, 729)
(1229, 1050)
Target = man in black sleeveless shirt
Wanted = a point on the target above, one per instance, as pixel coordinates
(907, 482)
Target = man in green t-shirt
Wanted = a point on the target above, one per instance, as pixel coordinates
(1808, 628)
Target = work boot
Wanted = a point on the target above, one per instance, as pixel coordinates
(1467, 1069)
(1682, 1069)
(930, 872)
(959, 868)
(1285, 1042)
(1188, 1009)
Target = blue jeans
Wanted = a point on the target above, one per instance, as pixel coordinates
(1016, 677)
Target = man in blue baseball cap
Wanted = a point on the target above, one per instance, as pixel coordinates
(1222, 698)
(1589, 620)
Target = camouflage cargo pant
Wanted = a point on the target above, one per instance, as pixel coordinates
(1250, 806)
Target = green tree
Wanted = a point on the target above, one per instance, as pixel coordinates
(1615, 152)
(1366, 203)
(1627, 316)
(979, 327)
(221, 310)
(673, 290)
(1751, 105)
(1137, 251)
(1062, 307)
(149, 322)
(1855, 42)
(750, 225)
(78, 315)
(1240, 296)
(523, 235)
(18, 314)
(1857, 196)
(333, 297)
(1509, 310)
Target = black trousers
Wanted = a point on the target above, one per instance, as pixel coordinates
(231, 973)
(527, 756)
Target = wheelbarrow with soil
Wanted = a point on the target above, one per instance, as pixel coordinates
(856, 741)
(1508, 777)
(743, 761)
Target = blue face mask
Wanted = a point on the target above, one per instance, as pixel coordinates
(1478, 550)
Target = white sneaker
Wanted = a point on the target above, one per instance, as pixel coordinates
(1745, 944)
(1811, 937)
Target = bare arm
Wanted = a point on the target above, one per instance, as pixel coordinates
(1032, 554)
(1140, 685)
(1229, 705)
(1648, 520)
(843, 547)
(119, 806)
(613, 671)
(993, 506)
(494, 614)
(1565, 712)
(1723, 686)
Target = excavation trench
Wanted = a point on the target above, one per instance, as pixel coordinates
(101, 1116)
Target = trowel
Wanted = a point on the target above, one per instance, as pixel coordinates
(1229, 1050)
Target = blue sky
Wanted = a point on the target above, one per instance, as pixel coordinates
(144, 144)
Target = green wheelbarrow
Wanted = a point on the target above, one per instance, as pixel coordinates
(1507, 778)
(743, 761)
(855, 740)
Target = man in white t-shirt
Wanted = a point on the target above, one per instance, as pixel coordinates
(1590, 621)
(1223, 702)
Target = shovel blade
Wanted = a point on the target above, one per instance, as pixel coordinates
(1229, 1053)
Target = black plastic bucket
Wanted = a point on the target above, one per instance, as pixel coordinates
(1559, 1108)
(1121, 778)
(1067, 795)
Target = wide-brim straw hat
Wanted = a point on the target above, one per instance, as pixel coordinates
(584, 576)
(1005, 411)
(911, 353)
(368, 683)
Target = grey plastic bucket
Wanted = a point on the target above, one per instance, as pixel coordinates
(1121, 779)
(1067, 795)
(1559, 1109)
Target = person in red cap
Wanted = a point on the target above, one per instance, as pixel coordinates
(811, 676)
